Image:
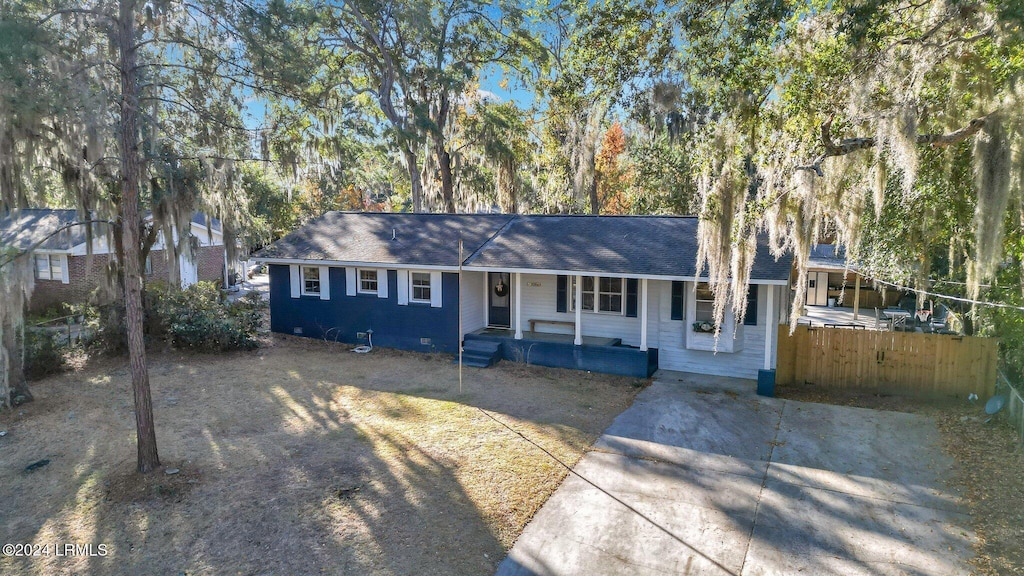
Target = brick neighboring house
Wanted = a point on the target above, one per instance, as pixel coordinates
(64, 272)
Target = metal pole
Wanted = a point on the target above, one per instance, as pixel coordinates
(461, 335)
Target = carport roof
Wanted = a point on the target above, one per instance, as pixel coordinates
(829, 257)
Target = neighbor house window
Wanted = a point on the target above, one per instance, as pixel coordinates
(311, 280)
(48, 267)
(599, 294)
(419, 287)
(368, 281)
(704, 304)
(149, 265)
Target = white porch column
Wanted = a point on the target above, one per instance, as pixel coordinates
(856, 298)
(487, 298)
(771, 326)
(578, 340)
(519, 308)
(643, 314)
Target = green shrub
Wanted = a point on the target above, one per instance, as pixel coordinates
(197, 318)
(201, 318)
(43, 355)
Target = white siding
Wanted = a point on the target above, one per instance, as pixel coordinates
(780, 308)
(474, 313)
(673, 354)
(654, 290)
(540, 292)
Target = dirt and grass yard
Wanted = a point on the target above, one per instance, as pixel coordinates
(300, 458)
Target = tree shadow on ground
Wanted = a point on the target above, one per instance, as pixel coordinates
(290, 461)
(822, 506)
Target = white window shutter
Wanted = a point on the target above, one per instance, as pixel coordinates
(65, 275)
(325, 283)
(435, 289)
(296, 279)
(350, 281)
(403, 287)
(382, 283)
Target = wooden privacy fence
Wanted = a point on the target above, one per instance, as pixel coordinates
(906, 363)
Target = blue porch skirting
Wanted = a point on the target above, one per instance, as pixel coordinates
(615, 359)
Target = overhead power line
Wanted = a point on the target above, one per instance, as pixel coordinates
(951, 297)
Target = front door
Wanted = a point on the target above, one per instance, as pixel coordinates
(499, 299)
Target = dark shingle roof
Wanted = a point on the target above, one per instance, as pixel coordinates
(29, 226)
(419, 239)
(200, 218)
(629, 245)
(640, 245)
(827, 256)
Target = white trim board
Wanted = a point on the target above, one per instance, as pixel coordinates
(393, 266)
(612, 274)
(344, 264)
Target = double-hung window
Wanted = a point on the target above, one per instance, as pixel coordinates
(704, 304)
(600, 294)
(419, 287)
(310, 281)
(609, 297)
(368, 282)
(48, 267)
(588, 294)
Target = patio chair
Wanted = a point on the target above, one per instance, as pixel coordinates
(940, 318)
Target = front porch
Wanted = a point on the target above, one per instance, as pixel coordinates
(595, 353)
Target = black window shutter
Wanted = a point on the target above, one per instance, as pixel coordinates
(677, 300)
(631, 284)
(562, 294)
(751, 318)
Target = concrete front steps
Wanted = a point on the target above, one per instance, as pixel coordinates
(480, 353)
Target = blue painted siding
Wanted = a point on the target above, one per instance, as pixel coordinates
(341, 317)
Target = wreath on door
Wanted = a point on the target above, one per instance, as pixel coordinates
(501, 289)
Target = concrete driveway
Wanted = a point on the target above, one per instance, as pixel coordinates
(701, 476)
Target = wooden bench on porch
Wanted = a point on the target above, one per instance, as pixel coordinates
(533, 323)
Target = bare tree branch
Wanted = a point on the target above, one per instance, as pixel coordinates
(851, 145)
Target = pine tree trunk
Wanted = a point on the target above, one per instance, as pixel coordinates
(18, 384)
(17, 391)
(131, 167)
